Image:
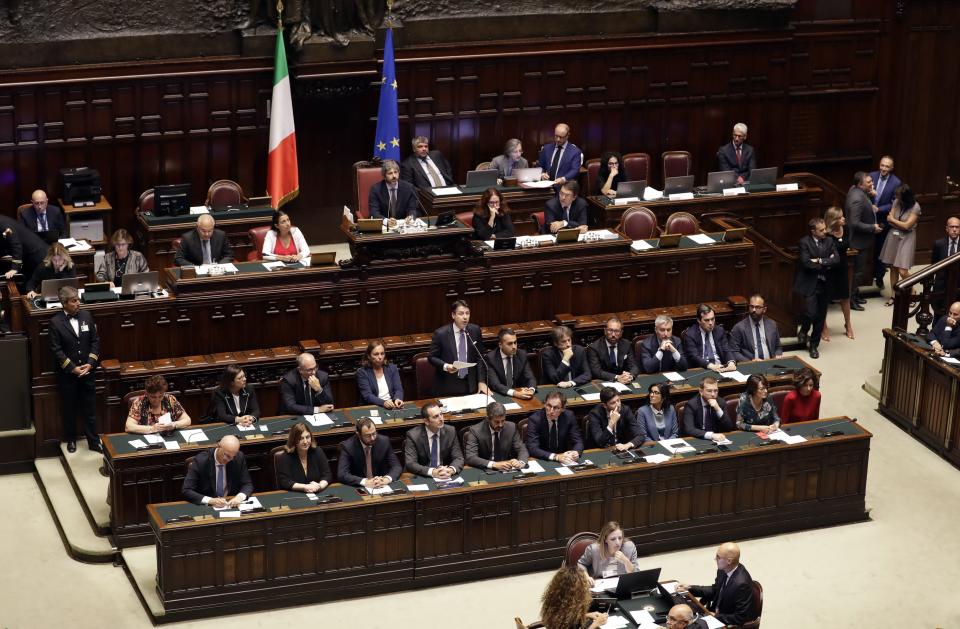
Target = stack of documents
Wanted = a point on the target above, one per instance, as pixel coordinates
(464, 402)
(677, 446)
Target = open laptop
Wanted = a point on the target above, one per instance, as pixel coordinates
(762, 180)
(678, 185)
(721, 180)
(50, 289)
(97, 292)
(631, 189)
(481, 178)
(140, 283)
(526, 175)
(638, 581)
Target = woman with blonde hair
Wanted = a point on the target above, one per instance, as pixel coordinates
(838, 283)
(56, 266)
(610, 556)
(566, 601)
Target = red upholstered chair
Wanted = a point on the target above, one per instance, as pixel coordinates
(276, 455)
(365, 175)
(257, 235)
(593, 176)
(145, 204)
(637, 166)
(522, 427)
(188, 464)
(758, 601)
(676, 164)
(425, 373)
(730, 405)
(778, 394)
(588, 443)
(224, 192)
(483, 166)
(463, 438)
(681, 223)
(21, 208)
(576, 546)
(175, 244)
(538, 219)
(638, 223)
(129, 397)
(465, 217)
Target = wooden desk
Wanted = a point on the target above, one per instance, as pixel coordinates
(392, 247)
(501, 526)
(523, 202)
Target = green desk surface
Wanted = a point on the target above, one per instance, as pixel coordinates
(245, 268)
(190, 219)
(685, 243)
(464, 191)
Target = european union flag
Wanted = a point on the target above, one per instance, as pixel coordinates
(386, 144)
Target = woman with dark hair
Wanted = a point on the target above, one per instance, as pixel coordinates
(491, 217)
(755, 411)
(611, 173)
(610, 556)
(121, 260)
(901, 241)
(155, 410)
(58, 265)
(658, 415)
(284, 242)
(304, 466)
(234, 401)
(566, 601)
(378, 379)
(838, 279)
(803, 403)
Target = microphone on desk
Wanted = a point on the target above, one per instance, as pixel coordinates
(831, 433)
(486, 371)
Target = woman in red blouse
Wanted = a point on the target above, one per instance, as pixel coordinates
(284, 241)
(803, 403)
(156, 410)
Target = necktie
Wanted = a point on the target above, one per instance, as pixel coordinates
(716, 600)
(566, 214)
(306, 393)
(953, 247)
(434, 452)
(462, 353)
(613, 356)
(555, 164)
(43, 222)
(759, 340)
(707, 417)
(393, 203)
(207, 258)
(880, 187)
(496, 446)
(221, 481)
(510, 167)
(707, 348)
(435, 177)
(554, 438)
(738, 154)
(369, 460)
(509, 372)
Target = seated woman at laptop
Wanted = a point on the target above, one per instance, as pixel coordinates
(284, 242)
(156, 410)
(121, 261)
(491, 217)
(566, 602)
(57, 265)
(612, 556)
(611, 174)
(510, 160)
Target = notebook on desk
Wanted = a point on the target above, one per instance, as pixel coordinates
(626, 189)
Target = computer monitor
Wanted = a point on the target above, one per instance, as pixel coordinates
(171, 200)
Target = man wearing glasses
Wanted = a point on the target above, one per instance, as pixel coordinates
(560, 159)
(44, 219)
(755, 337)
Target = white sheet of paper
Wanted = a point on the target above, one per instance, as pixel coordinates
(619, 622)
(792, 439)
(672, 376)
(626, 200)
(732, 192)
(273, 265)
(250, 503)
(950, 359)
(735, 375)
(348, 213)
(656, 458)
(311, 496)
(263, 428)
(682, 196)
(459, 364)
(379, 491)
(229, 514)
(464, 402)
(591, 397)
(418, 487)
(641, 245)
(488, 243)
(165, 419)
(193, 435)
(725, 442)
(676, 445)
(599, 234)
(249, 428)
(376, 419)
(447, 191)
(138, 443)
(534, 466)
(153, 438)
(642, 617)
(670, 587)
(702, 239)
(230, 267)
(616, 385)
(712, 622)
(538, 184)
(564, 471)
(787, 187)
(652, 194)
(512, 406)
(322, 419)
(196, 210)
(171, 445)
(67, 242)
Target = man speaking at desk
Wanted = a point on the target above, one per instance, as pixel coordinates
(461, 342)
(216, 474)
(204, 245)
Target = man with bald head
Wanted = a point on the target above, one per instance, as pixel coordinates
(44, 219)
(945, 335)
(681, 617)
(730, 598)
(204, 245)
(561, 159)
(305, 390)
(216, 475)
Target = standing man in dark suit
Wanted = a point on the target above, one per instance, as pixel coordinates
(426, 168)
(862, 223)
(218, 473)
(460, 342)
(738, 156)
(367, 459)
(730, 598)
(32, 248)
(755, 337)
(817, 255)
(561, 159)
(885, 184)
(494, 443)
(204, 245)
(392, 199)
(660, 351)
(552, 432)
(305, 390)
(432, 449)
(76, 352)
(705, 343)
(942, 249)
(611, 358)
(564, 364)
(566, 211)
(510, 372)
(45, 220)
(703, 416)
(945, 335)
(613, 424)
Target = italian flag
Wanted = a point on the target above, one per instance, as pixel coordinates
(283, 182)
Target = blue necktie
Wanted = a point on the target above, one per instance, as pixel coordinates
(434, 452)
(462, 353)
(43, 222)
(707, 348)
(221, 481)
(759, 341)
(613, 356)
(883, 183)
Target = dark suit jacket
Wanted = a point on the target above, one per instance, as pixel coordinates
(554, 212)
(412, 172)
(367, 384)
(727, 159)
(293, 399)
(735, 605)
(743, 341)
(379, 200)
(502, 227)
(478, 444)
(598, 357)
(648, 356)
(555, 372)
(10, 246)
(860, 218)
(538, 434)
(885, 200)
(56, 224)
(443, 350)
(522, 374)
(807, 279)
(570, 161)
(948, 340)
(223, 409)
(190, 250)
(672, 427)
(941, 249)
(693, 419)
(201, 478)
(693, 345)
(289, 470)
(70, 350)
(352, 466)
(629, 428)
(34, 249)
(416, 450)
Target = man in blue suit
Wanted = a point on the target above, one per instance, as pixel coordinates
(44, 219)
(885, 185)
(705, 343)
(561, 159)
(552, 432)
